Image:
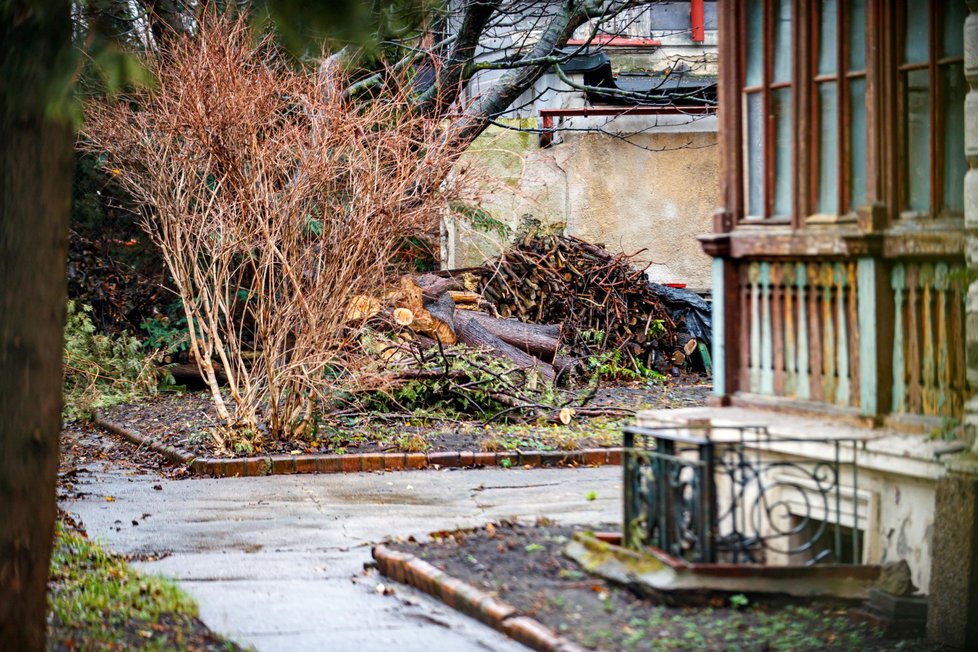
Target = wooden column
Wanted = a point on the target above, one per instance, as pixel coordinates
(726, 314)
(876, 319)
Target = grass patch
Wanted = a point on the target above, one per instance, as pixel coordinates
(98, 602)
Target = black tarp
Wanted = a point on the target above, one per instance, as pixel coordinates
(690, 311)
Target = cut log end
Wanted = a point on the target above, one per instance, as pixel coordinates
(403, 316)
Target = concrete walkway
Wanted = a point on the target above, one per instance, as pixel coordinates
(276, 563)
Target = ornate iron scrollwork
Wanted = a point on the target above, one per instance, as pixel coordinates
(740, 498)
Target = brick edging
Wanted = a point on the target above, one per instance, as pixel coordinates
(501, 616)
(331, 463)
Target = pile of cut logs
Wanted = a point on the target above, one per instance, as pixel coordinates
(547, 303)
(442, 310)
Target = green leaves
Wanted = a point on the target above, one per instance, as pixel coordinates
(116, 68)
(306, 27)
(100, 370)
(313, 226)
(479, 219)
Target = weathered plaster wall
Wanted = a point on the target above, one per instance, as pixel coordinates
(906, 524)
(604, 190)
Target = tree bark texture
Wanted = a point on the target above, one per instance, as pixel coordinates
(474, 334)
(35, 199)
(541, 340)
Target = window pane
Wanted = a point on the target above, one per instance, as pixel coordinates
(917, 156)
(915, 43)
(952, 41)
(781, 110)
(828, 147)
(782, 41)
(827, 24)
(755, 154)
(953, 89)
(857, 35)
(857, 143)
(755, 42)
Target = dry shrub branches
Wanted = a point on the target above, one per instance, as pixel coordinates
(274, 201)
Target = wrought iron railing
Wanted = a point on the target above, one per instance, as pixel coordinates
(740, 495)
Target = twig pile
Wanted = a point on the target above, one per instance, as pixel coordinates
(545, 278)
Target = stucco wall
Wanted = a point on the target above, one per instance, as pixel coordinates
(906, 524)
(604, 190)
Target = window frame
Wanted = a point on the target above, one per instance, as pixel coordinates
(766, 88)
(935, 64)
(842, 77)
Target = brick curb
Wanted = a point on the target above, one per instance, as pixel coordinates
(408, 569)
(361, 462)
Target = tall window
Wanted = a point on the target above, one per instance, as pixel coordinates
(932, 90)
(838, 157)
(767, 93)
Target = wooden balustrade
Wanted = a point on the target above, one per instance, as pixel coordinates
(928, 338)
(800, 330)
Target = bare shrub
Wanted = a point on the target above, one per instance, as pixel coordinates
(275, 201)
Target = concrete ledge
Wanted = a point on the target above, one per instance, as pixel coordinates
(408, 569)
(215, 467)
(683, 583)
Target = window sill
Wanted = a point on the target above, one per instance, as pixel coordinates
(825, 218)
(777, 220)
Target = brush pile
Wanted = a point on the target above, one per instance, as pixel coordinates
(549, 303)
(597, 297)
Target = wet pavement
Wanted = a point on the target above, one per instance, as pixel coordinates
(277, 563)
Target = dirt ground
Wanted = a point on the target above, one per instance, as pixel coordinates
(186, 420)
(524, 566)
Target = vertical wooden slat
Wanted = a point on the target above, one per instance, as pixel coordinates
(790, 343)
(929, 379)
(719, 309)
(746, 313)
(754, 277)
(956, 337)
(801, 282)
(842, 335)
(815, 331)
(870, 292)
(943, 336)
(777, 325)
(898, 284)
(767, 354)
(914, 402)
(852, 309)
(829, 334)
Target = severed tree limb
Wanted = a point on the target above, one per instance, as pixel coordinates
(472, 333)
(540, 340)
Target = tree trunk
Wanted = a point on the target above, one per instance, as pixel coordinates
(35, 200)
(540, 340)
(472, 333)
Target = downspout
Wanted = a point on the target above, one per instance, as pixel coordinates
(697, 21)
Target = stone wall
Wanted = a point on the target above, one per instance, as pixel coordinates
(971, 206)
(657, 194)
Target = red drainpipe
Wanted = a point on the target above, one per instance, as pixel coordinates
(697, 20)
